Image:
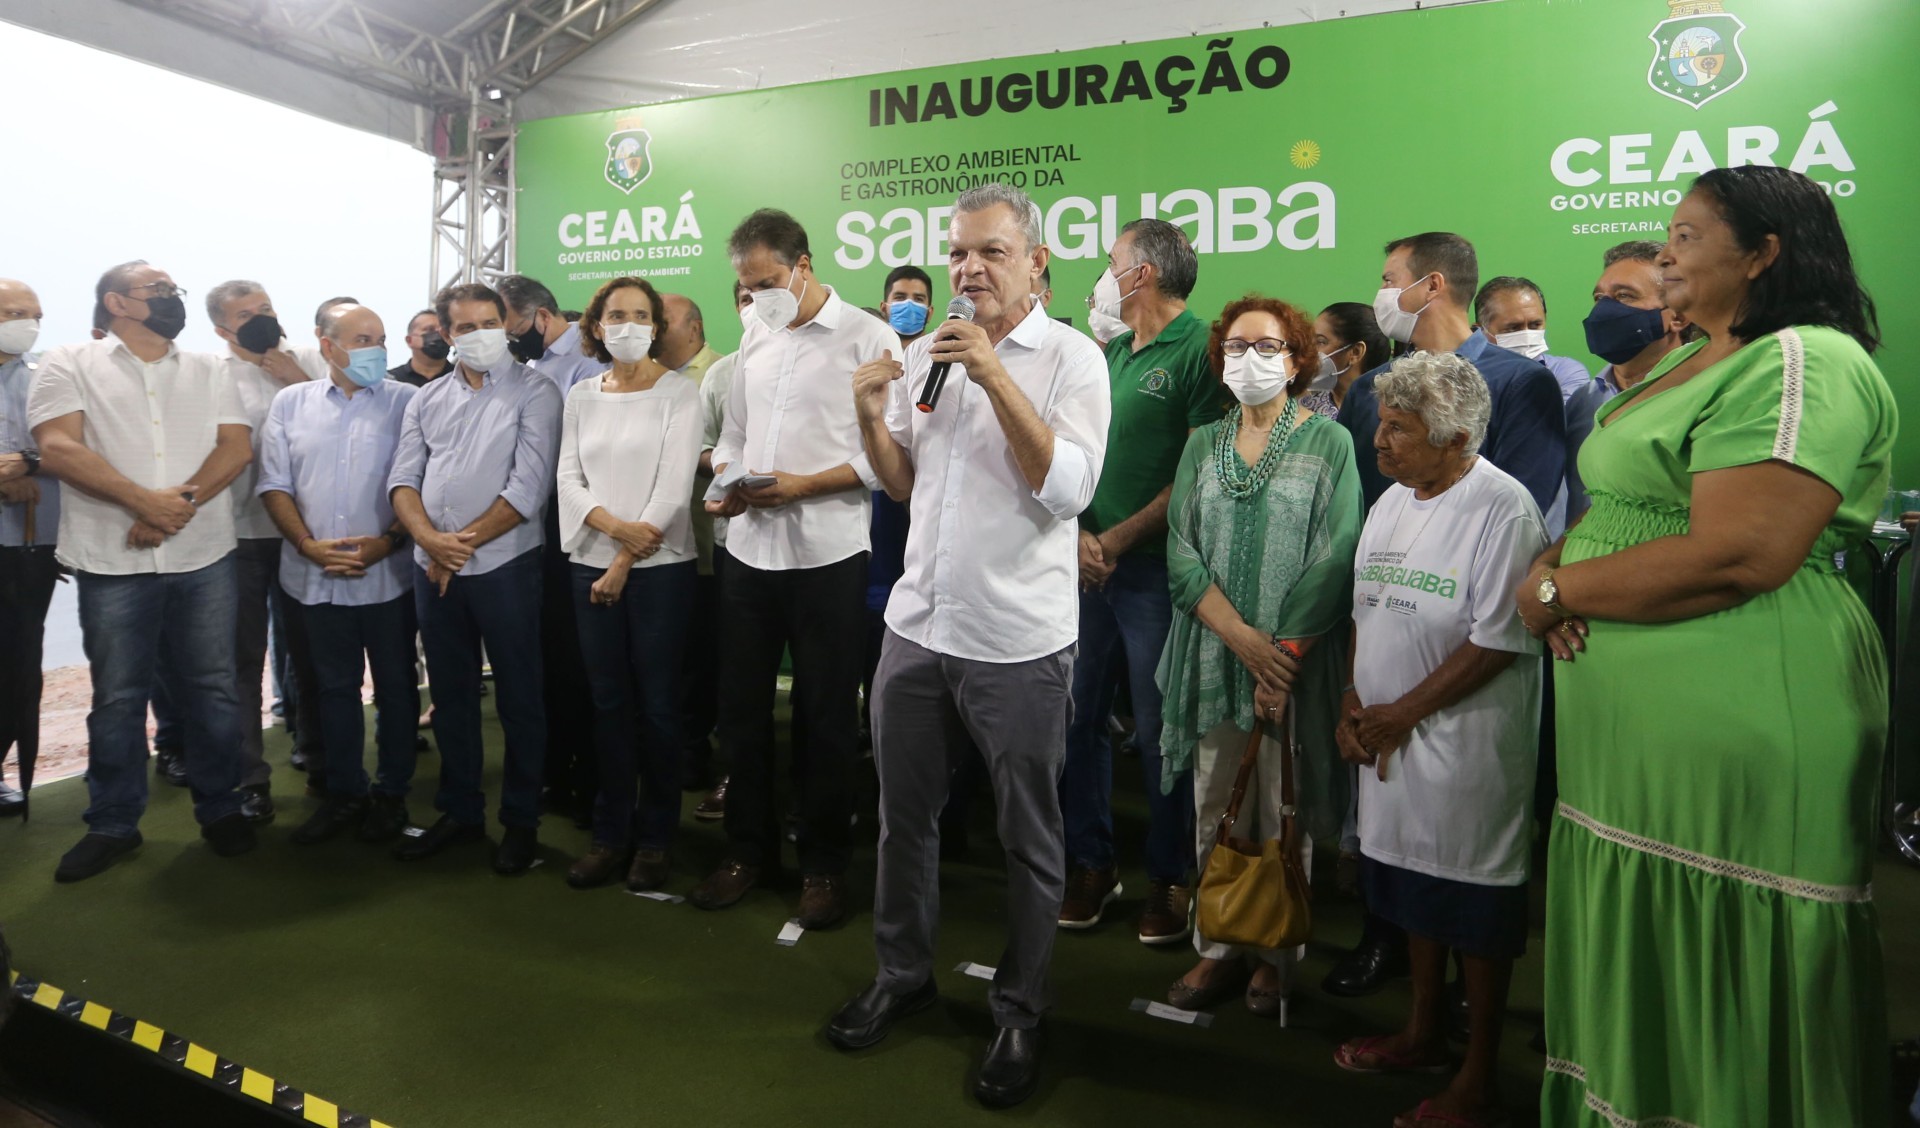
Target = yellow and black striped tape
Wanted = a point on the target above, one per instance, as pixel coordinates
(190, 1056)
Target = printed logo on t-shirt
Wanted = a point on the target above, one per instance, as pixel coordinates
(1389, 569)
(1155, 382)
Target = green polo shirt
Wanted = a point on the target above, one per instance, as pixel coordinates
(1159, 394)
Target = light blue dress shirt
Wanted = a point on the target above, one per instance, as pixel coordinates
(462, 446)
(332, 455)
(16, 377)
(565, 364)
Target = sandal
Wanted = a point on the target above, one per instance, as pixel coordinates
(1426, 1116)
(1383, 1060)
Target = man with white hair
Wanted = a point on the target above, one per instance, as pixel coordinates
(981, 627)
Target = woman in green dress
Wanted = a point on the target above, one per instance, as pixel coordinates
(1712, 948)
(1262, 524)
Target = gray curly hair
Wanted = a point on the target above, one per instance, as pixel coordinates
(1445, 390)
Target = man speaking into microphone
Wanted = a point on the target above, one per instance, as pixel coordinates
(981, 627)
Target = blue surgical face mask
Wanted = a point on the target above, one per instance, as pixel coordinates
(366, 367)
(906, 317)
(1618, 332)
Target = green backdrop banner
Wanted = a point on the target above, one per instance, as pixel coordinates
(1544, 131)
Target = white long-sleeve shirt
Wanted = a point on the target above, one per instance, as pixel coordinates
(633, 454)
(993, 567)
(790, 408)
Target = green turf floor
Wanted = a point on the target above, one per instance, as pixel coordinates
(440, 994)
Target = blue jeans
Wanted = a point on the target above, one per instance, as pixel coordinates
(122, 622)
(501, 609)
(1128, 618)
(344, 641)
(633, 651)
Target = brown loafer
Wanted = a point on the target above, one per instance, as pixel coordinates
(600, 865)
(724, 887)
(823, 901)
(714, 807)
(650, 871)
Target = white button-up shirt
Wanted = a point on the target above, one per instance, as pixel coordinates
(993, 568)
(332, 455)
(257, 389)
(790, 408)
(155, 423)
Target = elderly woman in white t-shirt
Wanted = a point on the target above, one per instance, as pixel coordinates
(629, 446)
(1444, 706)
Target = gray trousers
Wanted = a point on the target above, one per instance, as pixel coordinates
(924, 705)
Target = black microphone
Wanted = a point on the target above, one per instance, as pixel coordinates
(960, 308)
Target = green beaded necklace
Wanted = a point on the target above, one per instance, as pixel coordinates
(1226, 461)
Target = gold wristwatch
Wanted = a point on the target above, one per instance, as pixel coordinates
(1549, 596)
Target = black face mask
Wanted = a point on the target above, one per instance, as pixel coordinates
(260, 333)
(528, 346)
(166, 316)
(433, 346)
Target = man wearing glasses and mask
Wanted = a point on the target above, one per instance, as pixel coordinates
(149, 437)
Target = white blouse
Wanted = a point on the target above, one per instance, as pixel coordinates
(633, 454)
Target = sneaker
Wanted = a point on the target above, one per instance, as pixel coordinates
(1089, 892)
(1167, 918)
(92, 855)
(335, 815)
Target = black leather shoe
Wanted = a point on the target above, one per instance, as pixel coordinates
(92, 855)
(514, 855)
(1367, 968)
(386, 817)
(1011, 1069)
(443, 833)
(335, 815)
(171, 763)
(868, 1016)
(300, 761)
(12, 800)
(256, 803)
(230, 836)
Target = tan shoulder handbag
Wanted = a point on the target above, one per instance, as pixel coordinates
(1255, 893)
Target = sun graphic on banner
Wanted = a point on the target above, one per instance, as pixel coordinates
(1304, 154)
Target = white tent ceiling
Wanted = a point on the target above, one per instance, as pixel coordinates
(612, 53)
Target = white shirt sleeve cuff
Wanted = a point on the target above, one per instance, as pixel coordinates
(863, 469)
(1065, 492)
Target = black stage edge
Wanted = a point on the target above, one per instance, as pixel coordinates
(78, 1075)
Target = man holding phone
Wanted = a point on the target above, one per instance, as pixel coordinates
(797, 535)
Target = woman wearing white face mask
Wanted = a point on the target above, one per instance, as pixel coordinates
(1262, 526)
(629, 445)
(1350, 342)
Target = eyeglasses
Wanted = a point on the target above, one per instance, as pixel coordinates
(159, 290)
(1266, 347)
